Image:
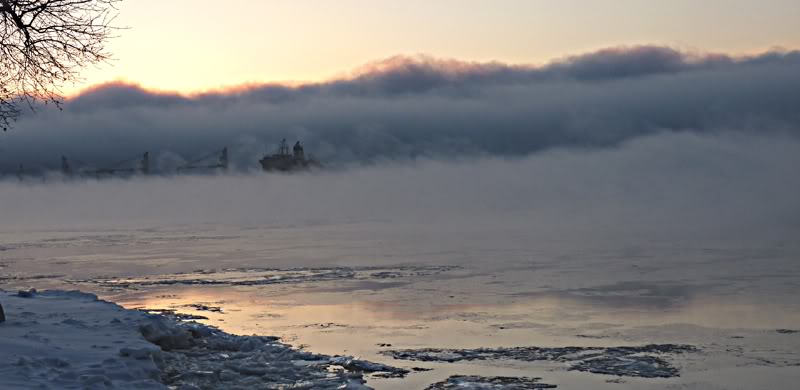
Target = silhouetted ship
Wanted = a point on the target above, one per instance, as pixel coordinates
(283, 161)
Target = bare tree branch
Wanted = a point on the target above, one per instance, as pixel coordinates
(44, 44)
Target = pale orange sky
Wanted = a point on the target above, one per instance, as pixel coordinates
(196, 45)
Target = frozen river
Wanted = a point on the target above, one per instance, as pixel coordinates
(362, 288)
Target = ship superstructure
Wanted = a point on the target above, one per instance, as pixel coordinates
(284, 161)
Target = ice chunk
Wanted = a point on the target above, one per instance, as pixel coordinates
(164, 333)
(357, 365)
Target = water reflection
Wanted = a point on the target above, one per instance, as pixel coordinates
(334, 321)
(359, 323)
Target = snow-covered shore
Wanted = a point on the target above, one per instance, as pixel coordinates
(70, 339)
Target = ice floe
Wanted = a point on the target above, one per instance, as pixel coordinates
(646, 361)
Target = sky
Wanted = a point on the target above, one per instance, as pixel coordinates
(198, 45)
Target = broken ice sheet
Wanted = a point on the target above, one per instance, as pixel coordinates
(489, 383)
(264, 276)
(355, 365)
(197, 355)
(643, 361)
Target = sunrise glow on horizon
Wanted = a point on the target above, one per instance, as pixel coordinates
(194, 46)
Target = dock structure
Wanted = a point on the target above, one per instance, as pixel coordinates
(131, 166)
(283, 160)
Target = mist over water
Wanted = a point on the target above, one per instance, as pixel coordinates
(677, 183)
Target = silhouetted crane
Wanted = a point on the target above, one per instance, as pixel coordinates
(204, 163)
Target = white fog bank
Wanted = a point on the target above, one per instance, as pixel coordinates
(681, 181)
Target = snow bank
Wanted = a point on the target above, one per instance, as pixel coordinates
(71, 340)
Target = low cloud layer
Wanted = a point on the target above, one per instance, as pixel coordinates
(426, 108)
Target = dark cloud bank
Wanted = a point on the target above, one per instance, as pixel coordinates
(419, 107)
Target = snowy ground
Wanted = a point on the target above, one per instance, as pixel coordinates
(71, 340)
